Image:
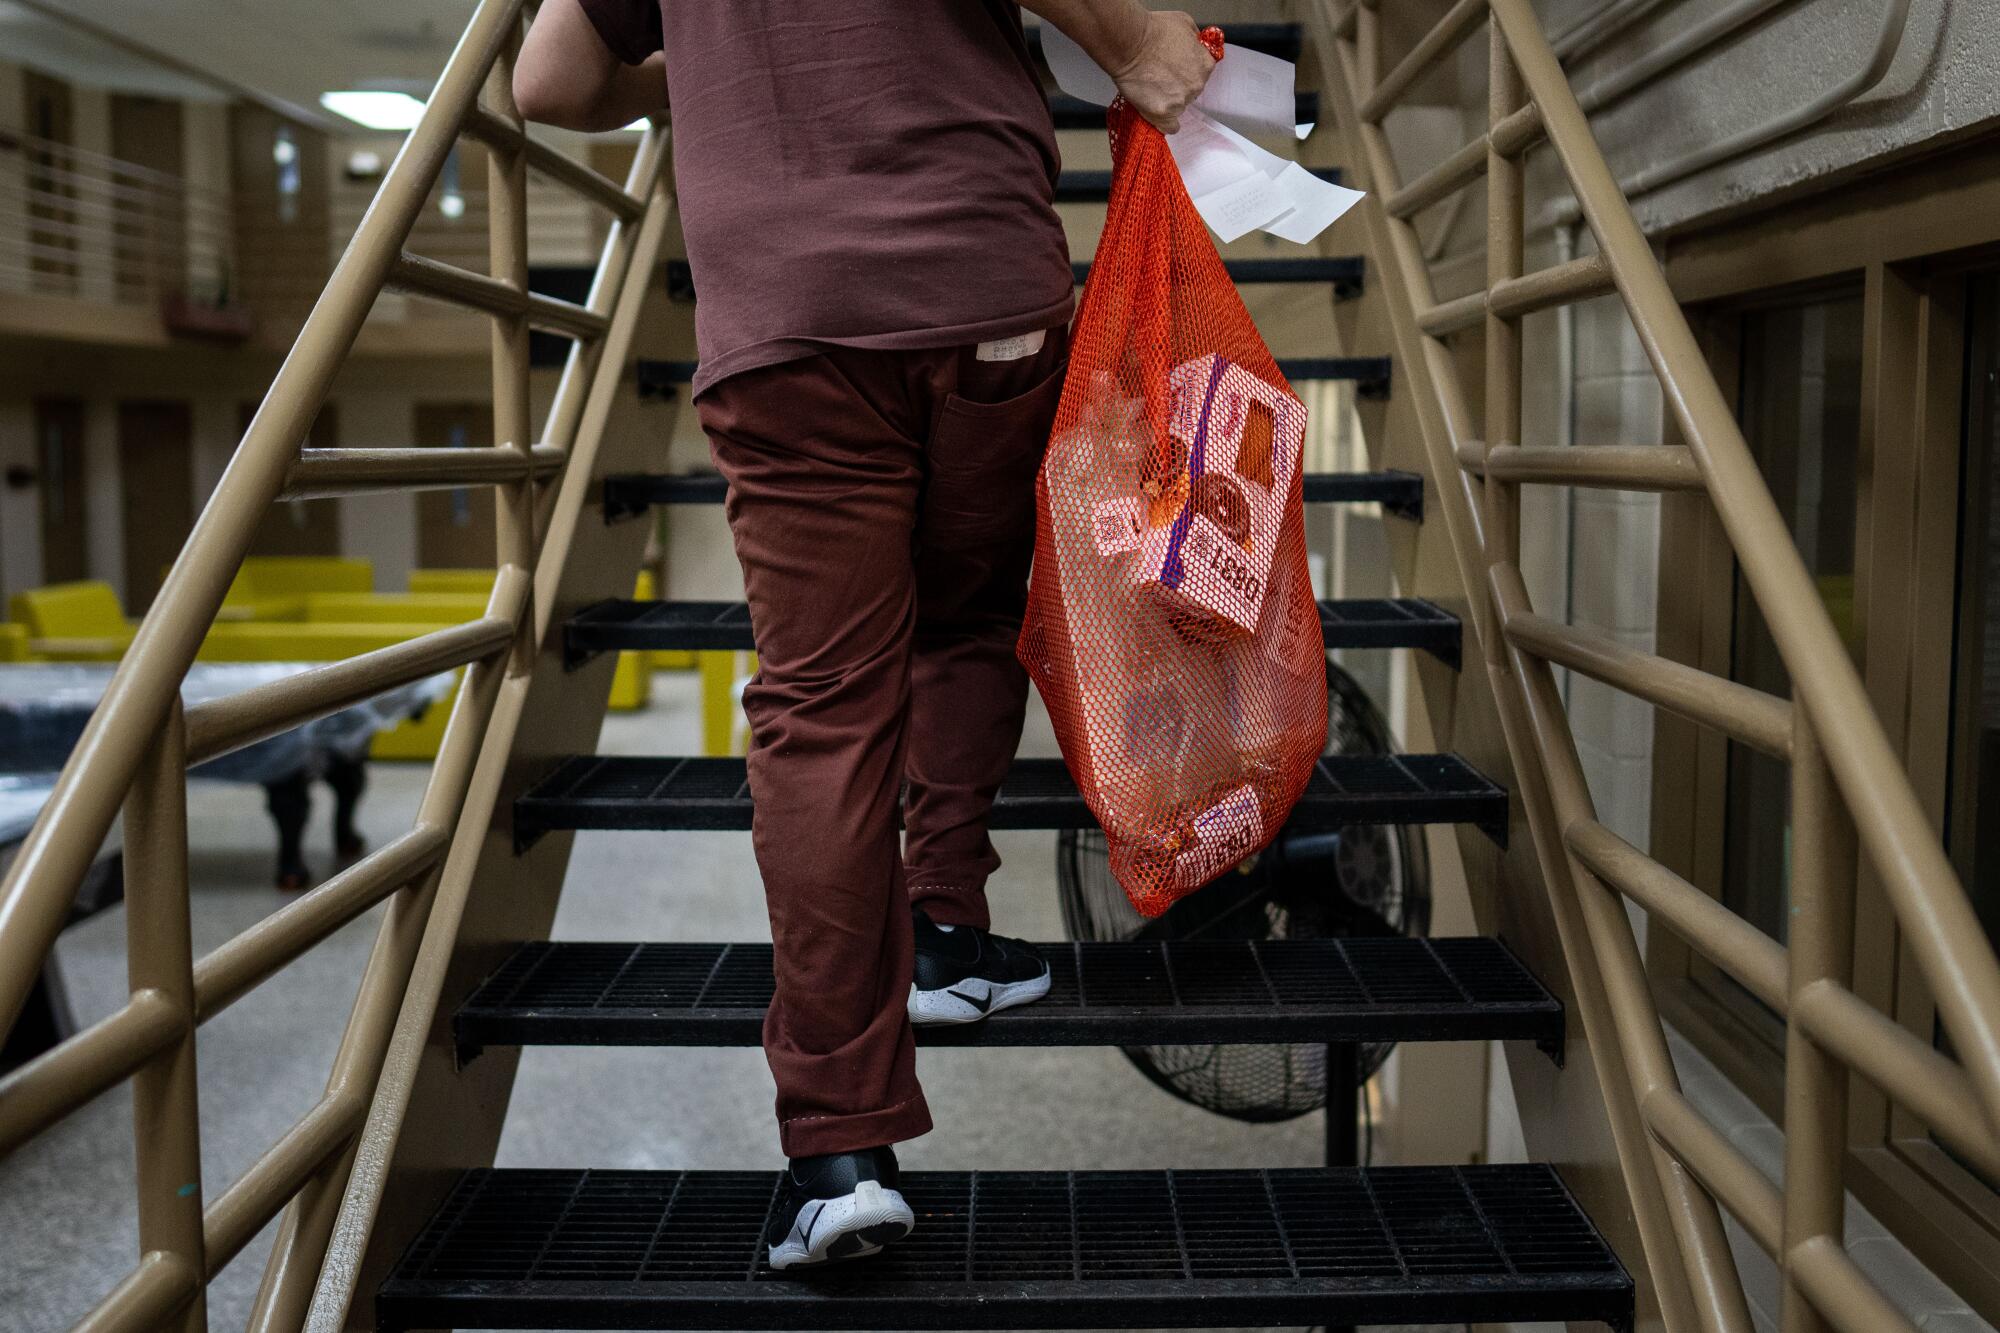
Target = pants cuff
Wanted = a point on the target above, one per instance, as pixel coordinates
(952, 905)
(810, 1136)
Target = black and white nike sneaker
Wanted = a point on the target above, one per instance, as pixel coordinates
(840, 1206)
(964, 973)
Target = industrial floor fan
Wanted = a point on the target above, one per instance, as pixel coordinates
(1357, 881)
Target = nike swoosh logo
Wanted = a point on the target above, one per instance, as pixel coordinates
(982, 1003)
(813, 1225)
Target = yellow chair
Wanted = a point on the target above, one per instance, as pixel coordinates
(304, 641)
(407, 608)
(74, 622)
(451, 580)
(14, 642)
(632, 680)
(275, 587)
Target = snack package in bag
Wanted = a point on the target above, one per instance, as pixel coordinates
(1171, 627)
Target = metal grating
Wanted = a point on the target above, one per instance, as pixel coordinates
(1344, 273)
(632, 792)
(620, 626)
(664, 378)
(1043, 1249)
(1073, 113)
(1118, 994)
(630, 494)
(1094, 187)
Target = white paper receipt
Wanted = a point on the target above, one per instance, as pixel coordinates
(1011, 349)
(1237, 186)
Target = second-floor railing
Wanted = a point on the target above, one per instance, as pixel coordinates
(78, 223)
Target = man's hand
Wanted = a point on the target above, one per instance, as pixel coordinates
(1167, 71)
(1157, 60)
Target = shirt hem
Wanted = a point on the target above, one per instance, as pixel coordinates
(775, 351)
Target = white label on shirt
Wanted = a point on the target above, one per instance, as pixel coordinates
(1014, 348)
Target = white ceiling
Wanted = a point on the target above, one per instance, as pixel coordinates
(285, 52)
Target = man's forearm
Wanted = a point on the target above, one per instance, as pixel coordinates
(1111, 32)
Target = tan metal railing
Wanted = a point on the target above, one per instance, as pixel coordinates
(1850, 795)
(138, 746)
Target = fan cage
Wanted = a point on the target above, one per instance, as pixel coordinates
(1381, 885)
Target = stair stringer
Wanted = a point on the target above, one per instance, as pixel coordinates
(1580, 1115)
(451, 1116)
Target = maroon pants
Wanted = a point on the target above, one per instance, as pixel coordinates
(882, 505)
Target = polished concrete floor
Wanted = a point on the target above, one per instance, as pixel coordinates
(66, 1214)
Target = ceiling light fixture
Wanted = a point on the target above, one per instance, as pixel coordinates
(375, 110)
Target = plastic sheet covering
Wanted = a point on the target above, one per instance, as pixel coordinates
(1171, 627)
(21, 799)
(44, 706)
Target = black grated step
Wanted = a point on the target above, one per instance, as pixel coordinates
(630, 494)
(1343, 273)
(633, 792)
(1371, 374)
(1017, 1250)
(1094, 187)
(1104, 994)
(623, 625)
(1273, 39)
(1073, 113)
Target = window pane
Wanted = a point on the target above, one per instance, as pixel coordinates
(1800, 411)
(1975, 787)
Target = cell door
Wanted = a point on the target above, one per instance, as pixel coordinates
(54, 222)
(156, 481)
(456, 529)
(64, 496)
(150, 244)
(300, 527)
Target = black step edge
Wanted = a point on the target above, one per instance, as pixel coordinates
(626, 625)
(1293, 1247)
(1345, 273)
(662, 792)
(1094, 187)
(1136, 993)
(632, 494)
(1371, 374)
(1273, 39)
(1073, 113)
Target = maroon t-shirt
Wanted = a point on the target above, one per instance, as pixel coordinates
(870, 173)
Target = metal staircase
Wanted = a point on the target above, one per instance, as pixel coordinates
(389, 1213)
(1340, 1246)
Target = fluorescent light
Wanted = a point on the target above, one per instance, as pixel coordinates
(376, 110)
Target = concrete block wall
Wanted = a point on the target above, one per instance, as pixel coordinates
(1614, 564)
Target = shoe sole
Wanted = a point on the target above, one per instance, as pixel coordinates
(973, 999)
(852, 1226)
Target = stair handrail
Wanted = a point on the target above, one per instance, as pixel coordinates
(140, 740)
(1848, 785)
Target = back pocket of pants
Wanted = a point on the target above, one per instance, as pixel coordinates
(983, 459)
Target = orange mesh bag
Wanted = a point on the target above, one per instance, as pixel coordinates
(1171, 627)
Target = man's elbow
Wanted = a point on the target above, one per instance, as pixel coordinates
(542, 98)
